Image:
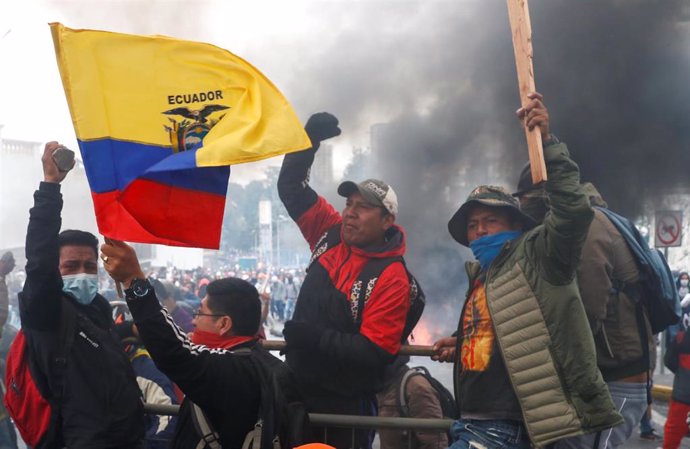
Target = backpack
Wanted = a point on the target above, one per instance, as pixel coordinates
(31, 403)
(449, 407)
(446, 399)
(283, 422)
(658, 293)
(366, 281)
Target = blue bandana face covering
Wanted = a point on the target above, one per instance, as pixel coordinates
(83, 287)
(486, 248)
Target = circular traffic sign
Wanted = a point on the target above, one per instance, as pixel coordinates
(668, 229)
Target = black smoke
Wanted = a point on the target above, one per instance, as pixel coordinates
(615, 78)
(439, 77)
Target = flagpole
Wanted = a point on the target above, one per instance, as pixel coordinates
(118, 286)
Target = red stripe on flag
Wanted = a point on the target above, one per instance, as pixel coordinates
(150, 212)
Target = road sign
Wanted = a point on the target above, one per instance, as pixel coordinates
(668, 229)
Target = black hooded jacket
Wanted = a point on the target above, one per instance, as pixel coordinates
(102, 405)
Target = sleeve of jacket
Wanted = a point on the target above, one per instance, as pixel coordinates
(39, 301)
(595, 270)
(565, 227)
(196, 369)
(378, 340)
(312, 213)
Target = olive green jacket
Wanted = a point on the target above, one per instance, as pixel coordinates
(539, 321)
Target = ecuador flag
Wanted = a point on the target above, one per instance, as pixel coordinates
(158, 121)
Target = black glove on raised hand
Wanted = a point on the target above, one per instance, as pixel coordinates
(322, 126)
(301, 335)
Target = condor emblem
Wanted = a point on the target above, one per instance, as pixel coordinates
(190, 131)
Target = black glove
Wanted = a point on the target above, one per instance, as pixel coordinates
(322, 126)
(301, 335)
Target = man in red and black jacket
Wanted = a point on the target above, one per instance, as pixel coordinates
(339, 356)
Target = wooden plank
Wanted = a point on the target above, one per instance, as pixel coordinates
(518, 11)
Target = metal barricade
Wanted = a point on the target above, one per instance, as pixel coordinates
(346, 421)
(353, 422)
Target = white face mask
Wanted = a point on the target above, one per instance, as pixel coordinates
(684, 282)
(82, 287)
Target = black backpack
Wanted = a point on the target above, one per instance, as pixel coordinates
(283, 421)
(366, 281)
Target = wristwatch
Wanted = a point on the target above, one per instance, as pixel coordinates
(138, 288)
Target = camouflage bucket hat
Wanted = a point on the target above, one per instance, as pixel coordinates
(492, 196)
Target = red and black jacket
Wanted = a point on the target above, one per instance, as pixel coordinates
(353, 353)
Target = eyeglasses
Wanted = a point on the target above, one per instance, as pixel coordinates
(197, 313)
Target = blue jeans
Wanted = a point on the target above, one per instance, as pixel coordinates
(630, 400)
(488, 434)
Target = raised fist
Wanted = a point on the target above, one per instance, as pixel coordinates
(322, 126)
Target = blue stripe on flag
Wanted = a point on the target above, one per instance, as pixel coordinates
(113, 164)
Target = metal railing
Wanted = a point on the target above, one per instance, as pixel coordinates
(409, 425)
(353, 422)
(345, 421)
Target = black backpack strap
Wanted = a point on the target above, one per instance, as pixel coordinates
(364, 285)
(209, 437)
(328, 240)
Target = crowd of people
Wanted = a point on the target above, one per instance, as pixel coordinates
(551, 349)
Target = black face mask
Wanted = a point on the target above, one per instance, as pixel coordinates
(536, 206)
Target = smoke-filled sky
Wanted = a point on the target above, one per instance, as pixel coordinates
(614, 72)
(615, 75)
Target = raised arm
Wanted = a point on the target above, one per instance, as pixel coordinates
(565, 228)
(170, 348)
(39, 301)
(312, 213)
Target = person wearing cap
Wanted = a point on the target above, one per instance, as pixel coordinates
(607, 277)
(525, 372)
(340, 357)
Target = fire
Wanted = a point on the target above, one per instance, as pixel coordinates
(421, 334)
